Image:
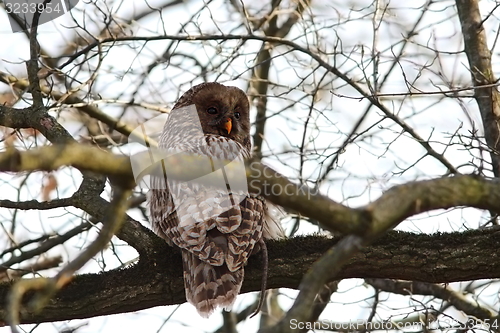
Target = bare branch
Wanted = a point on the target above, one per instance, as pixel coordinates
(71, 100)
(44, 246)
(444, 292)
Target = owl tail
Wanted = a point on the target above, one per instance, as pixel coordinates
(208, 286)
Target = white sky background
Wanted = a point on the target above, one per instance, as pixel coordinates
(365, 169)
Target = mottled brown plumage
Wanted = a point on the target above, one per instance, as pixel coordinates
(217, 230)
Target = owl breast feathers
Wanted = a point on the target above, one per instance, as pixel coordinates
(217, 229)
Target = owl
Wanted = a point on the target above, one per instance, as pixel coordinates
(216, 228)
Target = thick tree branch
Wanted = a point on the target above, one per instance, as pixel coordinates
(394, 206)
(438, 258)
(132, 232)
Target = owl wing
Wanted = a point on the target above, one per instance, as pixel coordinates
(216, 225)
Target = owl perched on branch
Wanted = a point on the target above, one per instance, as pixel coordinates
(217, 228)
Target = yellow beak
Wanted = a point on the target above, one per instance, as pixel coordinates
(228, 125)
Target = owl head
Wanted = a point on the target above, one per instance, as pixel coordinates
(222, 110)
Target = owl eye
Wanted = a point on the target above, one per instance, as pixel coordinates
(212, 111)
(237, 115)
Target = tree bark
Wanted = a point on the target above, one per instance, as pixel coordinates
(157, 279)
(479, 56)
